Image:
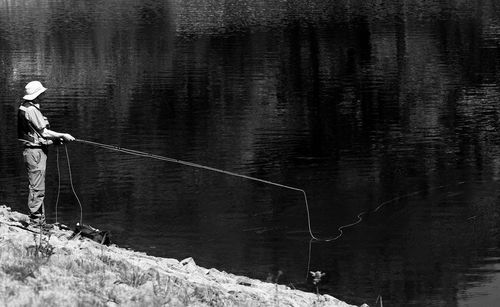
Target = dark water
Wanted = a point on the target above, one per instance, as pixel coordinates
(357, 102)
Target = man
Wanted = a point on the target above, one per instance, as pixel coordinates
(33, 131)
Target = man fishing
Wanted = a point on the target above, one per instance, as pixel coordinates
(34, 133)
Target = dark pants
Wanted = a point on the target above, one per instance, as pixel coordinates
(35, 160)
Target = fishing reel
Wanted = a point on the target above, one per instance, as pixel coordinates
(58, 141)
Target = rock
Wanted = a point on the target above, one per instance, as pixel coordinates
(245, 281)
(189, 265)
(188, 260)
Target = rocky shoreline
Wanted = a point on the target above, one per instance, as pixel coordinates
(54, 269)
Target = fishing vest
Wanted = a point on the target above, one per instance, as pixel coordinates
(26, 131)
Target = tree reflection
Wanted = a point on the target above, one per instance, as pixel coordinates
(355, 101)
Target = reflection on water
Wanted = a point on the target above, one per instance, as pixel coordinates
(357, 103)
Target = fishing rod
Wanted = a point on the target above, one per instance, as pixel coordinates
(167, 159)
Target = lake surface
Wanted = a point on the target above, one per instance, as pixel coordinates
(381, 107)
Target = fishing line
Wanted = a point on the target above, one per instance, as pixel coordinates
(361, 214)
(70, 181)
(360, 217)
(303, 192)
(58, 179)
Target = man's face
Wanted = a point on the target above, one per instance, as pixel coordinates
(40, 98)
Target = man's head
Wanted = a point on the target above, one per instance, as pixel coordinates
(33, 90)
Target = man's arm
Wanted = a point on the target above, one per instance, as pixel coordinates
(49, 134)
(40, 124)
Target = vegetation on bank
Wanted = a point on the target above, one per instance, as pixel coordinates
(54, 269)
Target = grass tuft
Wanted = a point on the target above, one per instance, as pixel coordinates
(133, 277)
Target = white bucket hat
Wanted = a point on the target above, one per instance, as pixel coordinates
(33, 89)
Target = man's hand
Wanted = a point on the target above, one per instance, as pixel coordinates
(68, 137)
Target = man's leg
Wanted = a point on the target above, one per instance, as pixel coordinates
(35, 160)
